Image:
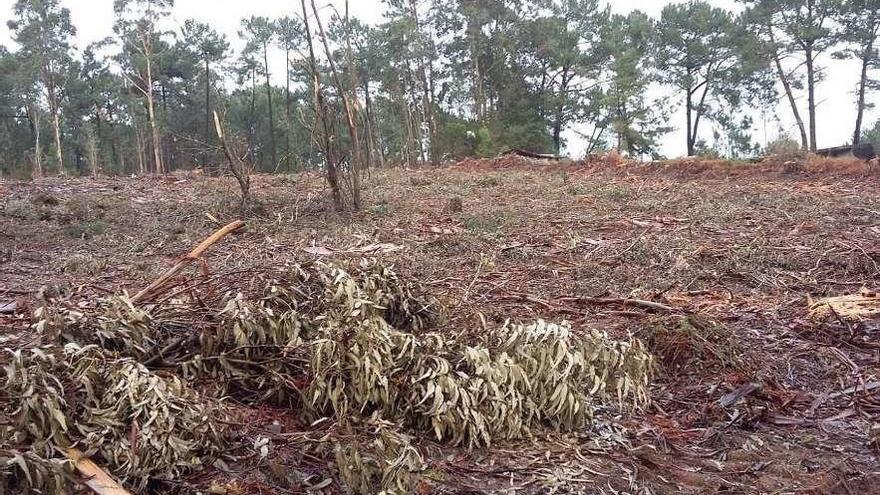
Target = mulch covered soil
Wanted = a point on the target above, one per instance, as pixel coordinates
(715, 267)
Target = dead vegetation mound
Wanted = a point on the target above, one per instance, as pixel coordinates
(143, 423)
(351, 341)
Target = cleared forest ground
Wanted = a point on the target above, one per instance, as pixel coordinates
(713, 266)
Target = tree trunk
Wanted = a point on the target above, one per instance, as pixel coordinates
(349, 117)
(321, 116)
(690, 137)
(92, 150)
(427, 93)
(54, 110)
(559, 114)
(38, 154)
(287, 113)
(139, 144)
(371, 133)
(114, 151)
(478, 94)
(207, 113)
(56, 124)
(863, 82)
(811, 96)
(557, 132)
(252, 126)
(154, 128)
(786, 84)
(274, 153)
(169, 157)
(239, 170)
(621, 116)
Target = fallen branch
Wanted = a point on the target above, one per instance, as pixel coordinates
(94, 477)
(530, 154)
(559, 303)
(856, 388)
(17, 292)
(621, 301)
(189, 258)
(732, 398)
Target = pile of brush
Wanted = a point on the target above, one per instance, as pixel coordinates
(351, 341)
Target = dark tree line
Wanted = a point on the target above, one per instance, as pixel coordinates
(436, 80)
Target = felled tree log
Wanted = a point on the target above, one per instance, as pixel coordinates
(529, 154)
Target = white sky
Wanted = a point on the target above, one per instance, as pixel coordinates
(94, 19)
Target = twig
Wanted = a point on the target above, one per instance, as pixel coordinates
(19, 292)
(471, 285)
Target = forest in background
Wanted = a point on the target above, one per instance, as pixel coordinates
(436, 81)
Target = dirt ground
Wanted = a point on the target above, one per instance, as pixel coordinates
(713, 266)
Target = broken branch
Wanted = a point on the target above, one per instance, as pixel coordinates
(193, 255)
(94, 477)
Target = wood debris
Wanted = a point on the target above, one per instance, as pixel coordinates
(853, 307)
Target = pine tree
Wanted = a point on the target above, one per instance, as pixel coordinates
(703, 52)
(212, 48)
(860, 21)
(258, 32)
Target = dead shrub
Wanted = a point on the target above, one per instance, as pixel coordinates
(696, 344)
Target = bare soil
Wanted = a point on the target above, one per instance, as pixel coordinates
(726, 257)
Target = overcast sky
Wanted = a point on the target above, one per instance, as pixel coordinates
(94, 19)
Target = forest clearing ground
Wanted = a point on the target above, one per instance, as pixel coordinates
(729, 259)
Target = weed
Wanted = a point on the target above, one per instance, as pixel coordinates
(489, 181)
(565, 177)
(82, 264)
(576, 190)
(86, 229)
(639, 252)
(485, 224)
(288, 179)
(20, 209)
(616, 193)
(382, 208)
(80, 210)
(454, 205)
(419, 181)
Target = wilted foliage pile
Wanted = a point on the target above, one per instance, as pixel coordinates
(380, 460)
(519, 378)
(341, 341)
(145, 425)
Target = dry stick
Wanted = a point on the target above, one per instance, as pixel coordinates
(95, 478)
(189, 258)
(621, 301)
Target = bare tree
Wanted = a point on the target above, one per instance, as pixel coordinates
(237, 165)
(349, 117)
(323, 125)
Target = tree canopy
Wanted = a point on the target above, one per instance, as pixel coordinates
(434, 81)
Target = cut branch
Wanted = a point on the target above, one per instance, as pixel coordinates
(155, 288)
(94, 477)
